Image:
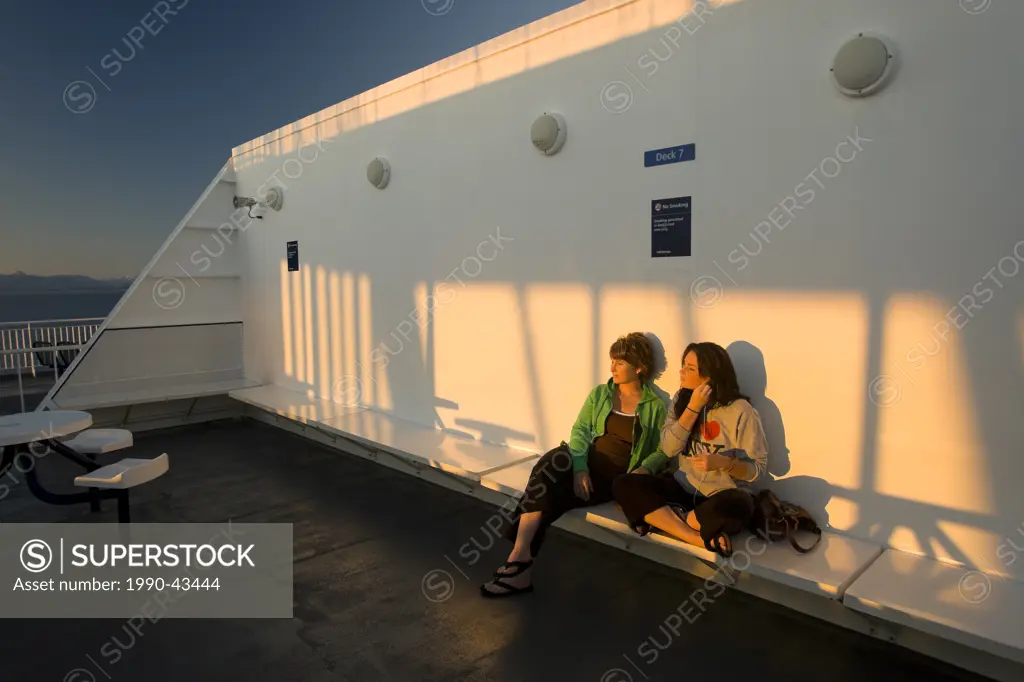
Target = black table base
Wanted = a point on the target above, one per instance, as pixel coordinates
(93, 496)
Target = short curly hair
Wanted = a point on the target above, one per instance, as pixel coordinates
(635, 348)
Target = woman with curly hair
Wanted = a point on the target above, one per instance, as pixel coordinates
(617, 432)
(719, 446)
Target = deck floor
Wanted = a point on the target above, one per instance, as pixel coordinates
(365, 537)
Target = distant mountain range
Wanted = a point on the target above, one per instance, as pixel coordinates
(20, 283)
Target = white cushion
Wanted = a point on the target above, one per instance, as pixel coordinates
(100, 441)
(979, 610)
(127, 473)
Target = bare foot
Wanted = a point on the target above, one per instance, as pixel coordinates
(724, 544)
(512, 570)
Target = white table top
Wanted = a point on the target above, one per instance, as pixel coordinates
(29, 427)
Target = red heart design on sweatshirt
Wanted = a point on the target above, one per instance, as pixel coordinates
(710, 430)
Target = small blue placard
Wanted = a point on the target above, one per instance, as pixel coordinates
(670, 227)
(659, 157)
(293, 256)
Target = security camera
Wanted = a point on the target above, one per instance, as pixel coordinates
(249, 202)
(274, 199)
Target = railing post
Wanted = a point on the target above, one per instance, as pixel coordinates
(16, 339)
(32, 356)
(21, 390)
(56, 353)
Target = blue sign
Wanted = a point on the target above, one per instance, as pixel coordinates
(293, 256)
(670, 227)
(659, 157)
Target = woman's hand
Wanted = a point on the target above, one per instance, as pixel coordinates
(700, 397)
(706, 462)
(640, 470)
(582, 485)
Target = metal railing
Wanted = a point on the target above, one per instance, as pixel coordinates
(21, 343)
(40, 349)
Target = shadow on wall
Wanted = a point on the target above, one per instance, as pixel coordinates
(660, 359)
(493, 433)
(812, 493)
(753, 376)
(660, 367)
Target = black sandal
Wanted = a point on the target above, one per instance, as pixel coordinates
(511, 590)
(721, 544)
(520, 566)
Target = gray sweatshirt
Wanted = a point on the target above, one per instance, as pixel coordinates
(734, 430)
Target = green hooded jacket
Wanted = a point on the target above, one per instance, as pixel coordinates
(651, 411)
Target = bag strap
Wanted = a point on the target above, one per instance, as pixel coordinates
(792, 538)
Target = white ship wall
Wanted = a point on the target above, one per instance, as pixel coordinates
(176, 334)
(859, 258)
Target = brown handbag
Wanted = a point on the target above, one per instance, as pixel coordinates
(774, 519)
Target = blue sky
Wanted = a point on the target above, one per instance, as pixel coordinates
(96, 193)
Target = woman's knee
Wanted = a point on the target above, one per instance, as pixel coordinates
(740, 506)
(747, 509)
(730, 511)
(627, 486)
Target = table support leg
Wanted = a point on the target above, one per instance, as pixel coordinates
(94, 494)
(94, 500)
(123, 515)
(91, 496)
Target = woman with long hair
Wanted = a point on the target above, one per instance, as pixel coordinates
(617, 432)
(717, 441)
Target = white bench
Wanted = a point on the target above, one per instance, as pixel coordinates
(102, 395)
(93, 442)
(456, 454)
(100, 441)
(122, 476)
(828, 570)
(461, 458)
(956, 604)
(510, 480)
(295, 405)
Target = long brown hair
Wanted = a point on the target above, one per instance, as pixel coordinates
(715, 365)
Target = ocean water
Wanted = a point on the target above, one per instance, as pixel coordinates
(59, 305)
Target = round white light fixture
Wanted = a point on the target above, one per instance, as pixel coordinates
(378, 172)
(862, 66)
(548, 133)
(274, 198)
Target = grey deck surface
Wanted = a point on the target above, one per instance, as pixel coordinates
(365, 537)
